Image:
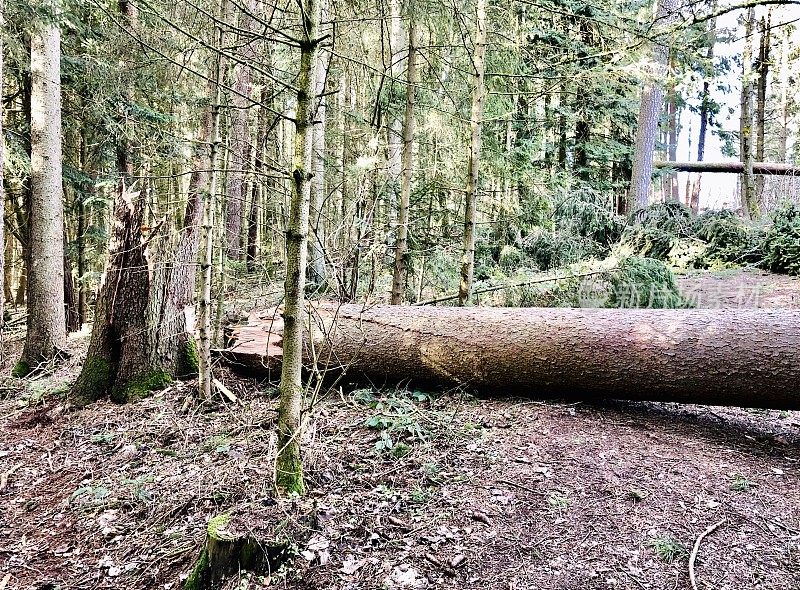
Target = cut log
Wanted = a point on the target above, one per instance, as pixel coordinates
(772, 168)
(732, 357)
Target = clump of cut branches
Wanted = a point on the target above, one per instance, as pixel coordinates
(728, 239)
(781, 243)
(644, 282)
(589, 214)
(554, 249)
(654, 231)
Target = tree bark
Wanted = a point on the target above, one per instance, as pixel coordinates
(473, 165)
(687, 356)
(3, 270)
(649, 111)
(400, 275)
(239, 140)
(762, 69)
(288, 467)
(749, 202)
(394, 128)
(46, 337)
(142, 337)
(316, 263)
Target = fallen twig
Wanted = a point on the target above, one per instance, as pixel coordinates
(6, 475)
(696, 550)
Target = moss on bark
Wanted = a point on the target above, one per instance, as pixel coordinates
(21, 369)
(189, 361)
(93, 382)
(289, 470)
(141, 386)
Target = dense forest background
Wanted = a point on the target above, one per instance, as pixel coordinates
(393, 86)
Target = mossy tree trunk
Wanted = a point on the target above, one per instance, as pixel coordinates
(288, 468)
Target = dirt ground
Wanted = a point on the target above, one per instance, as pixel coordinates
(411, 489)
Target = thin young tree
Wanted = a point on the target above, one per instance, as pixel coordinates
(46, 337)
(400, 274)
(473, 165)
(749, 202)
(288, 466)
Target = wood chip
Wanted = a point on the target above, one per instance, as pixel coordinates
(432, 558)
(481, 517)
(457, 560)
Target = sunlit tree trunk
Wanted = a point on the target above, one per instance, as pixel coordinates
(288, 467)
(785, 73)
(473, 165)
(46, 336)
(401, 246)
(649, 111)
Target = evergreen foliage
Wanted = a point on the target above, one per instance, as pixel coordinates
(781, 244)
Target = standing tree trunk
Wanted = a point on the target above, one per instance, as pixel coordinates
(749, 200)
(762, 69)
(239, 144)
(316, 262)
(473, 165)
(3, 270)
(207, 233)
(288, 466)
(649, 111)
(46, 337)
(705, 111)
(401, 246)
(673, 192)
(394, 129)
(785, 106)
(258, 187)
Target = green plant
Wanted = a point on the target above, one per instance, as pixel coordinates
(420, 495)
(668, 549)
(739, 483)
(644, 282)
(558, 500)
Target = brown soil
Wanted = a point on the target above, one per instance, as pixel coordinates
(481, 494)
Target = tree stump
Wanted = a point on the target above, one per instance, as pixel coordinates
(257, 543)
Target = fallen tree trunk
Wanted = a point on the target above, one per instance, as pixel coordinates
(770, 168)
(733, 357)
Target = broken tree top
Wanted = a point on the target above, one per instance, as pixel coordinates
(737, 357)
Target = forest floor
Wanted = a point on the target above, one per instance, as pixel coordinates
(473, 493)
